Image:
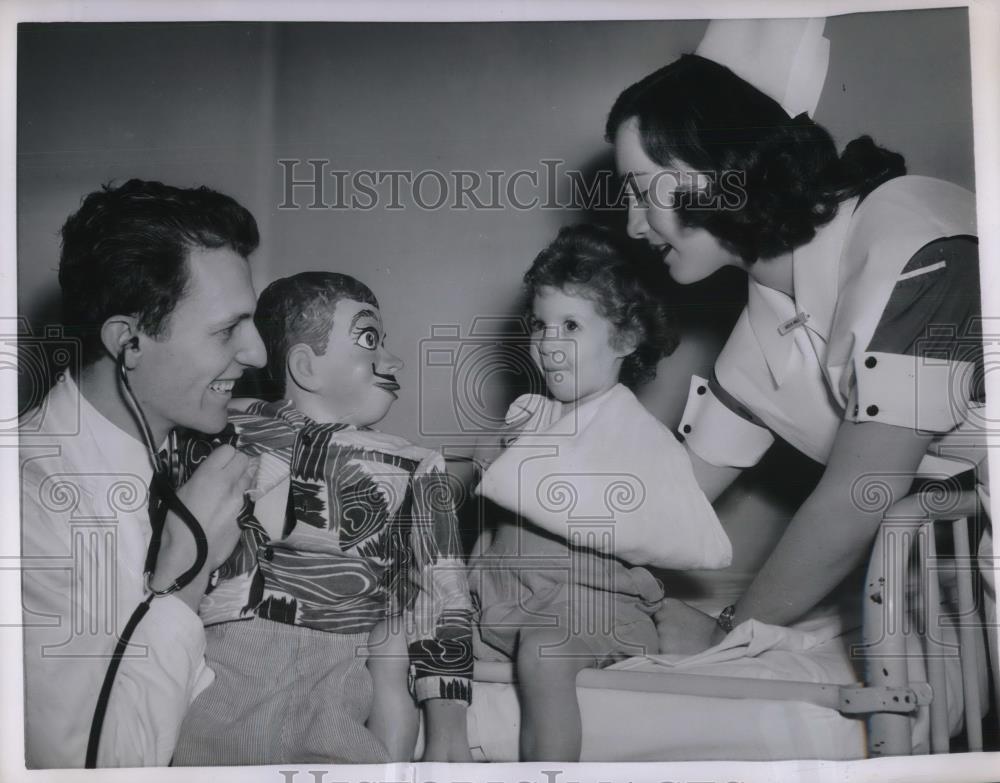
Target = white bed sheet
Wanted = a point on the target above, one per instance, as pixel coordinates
(636, 726)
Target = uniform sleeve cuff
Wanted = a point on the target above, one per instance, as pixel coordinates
(923, 393)
(718, 435)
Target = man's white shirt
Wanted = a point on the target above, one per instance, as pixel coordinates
(85, 530)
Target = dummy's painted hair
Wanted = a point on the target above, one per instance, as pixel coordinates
(300, 309)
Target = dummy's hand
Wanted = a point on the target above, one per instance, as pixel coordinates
(447, 731)
(684, 630)
(214, 494)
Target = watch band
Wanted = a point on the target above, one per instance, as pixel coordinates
(726, 618)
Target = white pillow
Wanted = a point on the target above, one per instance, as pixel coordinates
(610, 477)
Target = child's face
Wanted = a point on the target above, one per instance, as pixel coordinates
(571, 342)
(356, 374)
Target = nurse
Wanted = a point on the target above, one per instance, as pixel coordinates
(859, 343)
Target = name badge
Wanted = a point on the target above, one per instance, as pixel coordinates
(793, 323)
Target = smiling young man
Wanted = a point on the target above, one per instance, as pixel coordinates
(155, 281)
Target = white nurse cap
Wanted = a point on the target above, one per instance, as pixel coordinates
(784, 58)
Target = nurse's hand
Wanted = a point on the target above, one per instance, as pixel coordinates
(684, 630)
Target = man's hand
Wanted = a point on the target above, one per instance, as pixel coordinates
(214, 494)
(684, 630)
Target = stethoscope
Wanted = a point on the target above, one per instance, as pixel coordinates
(163, 498)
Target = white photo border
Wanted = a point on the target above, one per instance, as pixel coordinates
(984, 20)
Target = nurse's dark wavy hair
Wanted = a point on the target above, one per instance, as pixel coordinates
(300, 309)
(596, 263)
(697, 114)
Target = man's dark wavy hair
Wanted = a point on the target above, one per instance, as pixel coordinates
(300, 309)
(699, 115)
(125, 251)
(595, 262)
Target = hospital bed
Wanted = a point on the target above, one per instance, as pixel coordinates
(911, 678)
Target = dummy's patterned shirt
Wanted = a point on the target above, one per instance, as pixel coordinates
(369, 534)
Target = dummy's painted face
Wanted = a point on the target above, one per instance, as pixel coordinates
(573, 345)
(356, 373)
(691, 254)
(186, 375)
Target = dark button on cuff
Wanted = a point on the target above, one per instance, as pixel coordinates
(870, 362)
(686, 429)
(267, 553)
(872, 410)
(702, 390)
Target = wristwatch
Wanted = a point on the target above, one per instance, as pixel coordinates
(725, 620)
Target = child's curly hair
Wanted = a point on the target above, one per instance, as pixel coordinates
(596, 263)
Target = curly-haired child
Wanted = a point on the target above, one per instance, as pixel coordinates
(552, 601)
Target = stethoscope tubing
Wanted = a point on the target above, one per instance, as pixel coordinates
(163, 493)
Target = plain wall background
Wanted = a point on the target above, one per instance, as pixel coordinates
(220, 104)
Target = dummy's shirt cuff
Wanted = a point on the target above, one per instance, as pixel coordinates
(718, 434)
(438, 686)
(442, 668)
(923, 393)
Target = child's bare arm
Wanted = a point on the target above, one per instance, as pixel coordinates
(394, 718)
(447, 731)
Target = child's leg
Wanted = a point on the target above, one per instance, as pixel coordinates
(551, 727)
(394, 718)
